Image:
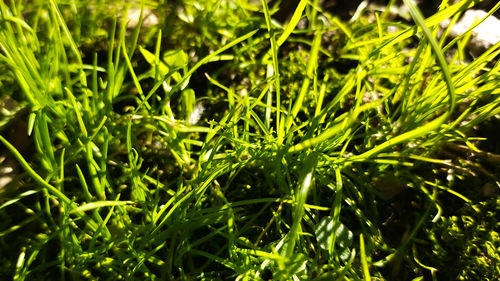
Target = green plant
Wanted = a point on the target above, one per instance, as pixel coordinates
(221, 144)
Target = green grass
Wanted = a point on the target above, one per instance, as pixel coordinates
(220, 144)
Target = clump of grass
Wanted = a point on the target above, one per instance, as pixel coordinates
(318, 151)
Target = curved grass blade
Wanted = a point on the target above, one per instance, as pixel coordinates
(99, 204)
(50, 188)
(436, 123)
(208, 58)
(293, 22)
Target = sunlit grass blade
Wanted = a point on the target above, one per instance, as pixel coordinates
(301, 197)
(311, 65)
(273, 70)
(364, 263)
(206, 59)
(100, 204)
(297, 15)
(38, 179)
